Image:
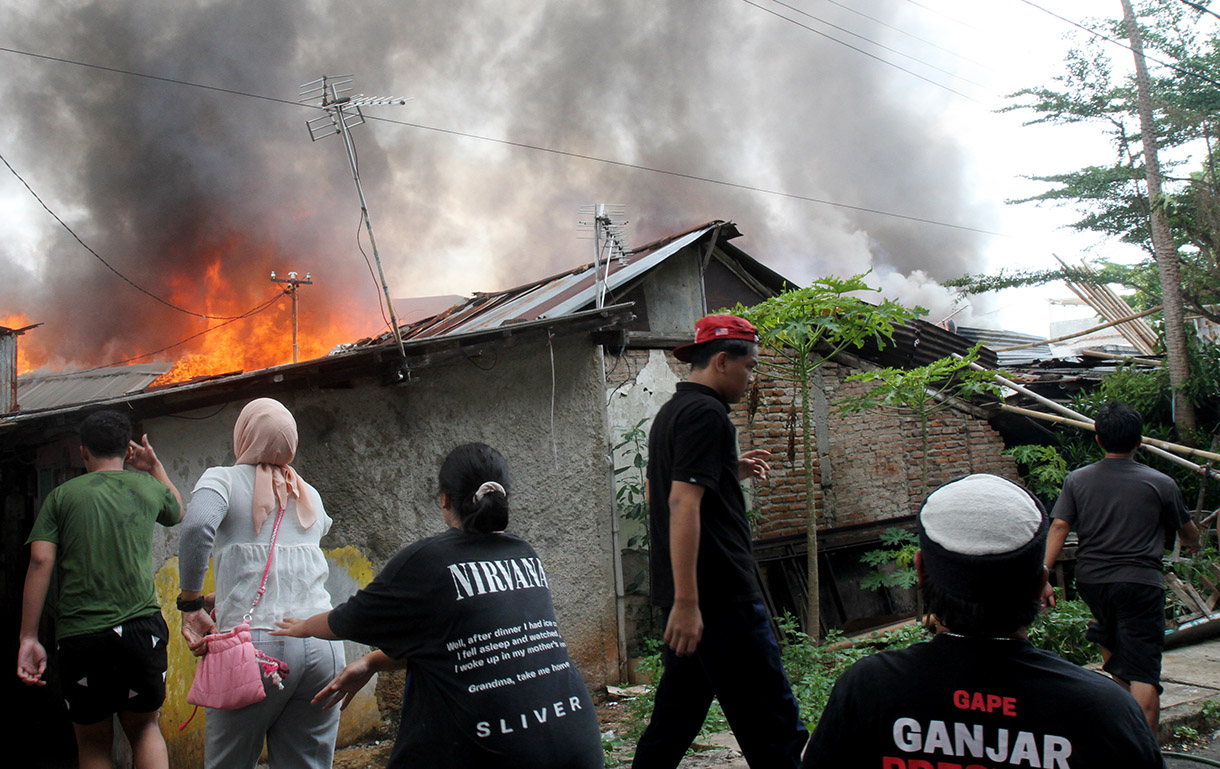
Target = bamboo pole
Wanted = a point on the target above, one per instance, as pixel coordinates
(1081, 333)
(1108, 305)
(1145, 440)
(1081, 417)
(1128, 358)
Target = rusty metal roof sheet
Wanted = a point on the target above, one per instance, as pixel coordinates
(35, 391)
(550, 297)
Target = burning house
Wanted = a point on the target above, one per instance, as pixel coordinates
(551, 373)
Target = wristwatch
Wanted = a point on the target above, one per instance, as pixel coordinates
(195, 604)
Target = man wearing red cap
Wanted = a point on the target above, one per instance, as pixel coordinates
(717, 634)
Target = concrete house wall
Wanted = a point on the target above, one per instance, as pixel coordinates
(373, 452)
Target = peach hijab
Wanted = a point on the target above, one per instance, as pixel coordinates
(266, 436)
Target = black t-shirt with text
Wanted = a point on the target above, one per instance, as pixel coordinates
(491, 683)
(692, 440)
(979, 703)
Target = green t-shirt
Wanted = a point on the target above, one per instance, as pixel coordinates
(102, 526)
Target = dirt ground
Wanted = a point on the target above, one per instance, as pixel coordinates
(719, 751)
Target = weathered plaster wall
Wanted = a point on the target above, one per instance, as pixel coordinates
(373, 453)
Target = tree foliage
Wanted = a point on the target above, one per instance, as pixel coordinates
(1112, 198)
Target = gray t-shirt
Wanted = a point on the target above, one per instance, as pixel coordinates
(1123, 512)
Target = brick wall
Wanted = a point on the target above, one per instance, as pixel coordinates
(869, 468)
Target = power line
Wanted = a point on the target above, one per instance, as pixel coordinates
(108, 265)
(913, 36)
(537, 148)
(1200, 8)
(147, 76)
(681, 175)
(858, 50)
(255, 311)
(882, 46)
(1121, 44)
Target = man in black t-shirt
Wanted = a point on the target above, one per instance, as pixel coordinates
(1123, 511)
(718, 637)
(979, 694)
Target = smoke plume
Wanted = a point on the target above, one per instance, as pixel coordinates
(198, 194)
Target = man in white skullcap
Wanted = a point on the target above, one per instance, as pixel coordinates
(979, 694)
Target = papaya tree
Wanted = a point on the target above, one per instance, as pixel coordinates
(801, 329)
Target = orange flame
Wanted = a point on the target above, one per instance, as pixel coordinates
(29, 357)
(261, 340)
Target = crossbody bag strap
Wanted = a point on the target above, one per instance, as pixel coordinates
(262, 588)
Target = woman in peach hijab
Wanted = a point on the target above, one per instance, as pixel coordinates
(232, 517)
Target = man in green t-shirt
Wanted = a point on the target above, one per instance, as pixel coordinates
(95, 534)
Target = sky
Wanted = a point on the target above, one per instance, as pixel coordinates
(831, 157)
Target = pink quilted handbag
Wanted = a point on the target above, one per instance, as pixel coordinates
(229, 675)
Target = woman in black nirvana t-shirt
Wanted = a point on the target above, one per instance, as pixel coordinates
(468, 613)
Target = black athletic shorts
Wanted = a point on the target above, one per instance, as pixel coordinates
(1130, 622)
(116, 670)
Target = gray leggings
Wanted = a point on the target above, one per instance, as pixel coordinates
(298, 734)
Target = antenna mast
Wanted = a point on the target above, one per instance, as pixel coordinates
(342, 114)
(607, 225)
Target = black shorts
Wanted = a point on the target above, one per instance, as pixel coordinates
(1130, 622)
(116, 670)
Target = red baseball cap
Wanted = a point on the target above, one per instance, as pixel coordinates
(709, 328)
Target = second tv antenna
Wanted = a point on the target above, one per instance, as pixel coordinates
(342, 114)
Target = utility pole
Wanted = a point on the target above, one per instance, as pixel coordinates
(1176, 362)
(293, 284)
(342, 114)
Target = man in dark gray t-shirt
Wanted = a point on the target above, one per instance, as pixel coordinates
(1123, 512)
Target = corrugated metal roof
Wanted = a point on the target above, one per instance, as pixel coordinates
(35, 391)
(997, 339)
(550, 297)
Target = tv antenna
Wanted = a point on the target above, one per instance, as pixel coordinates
(343, 114)
(293, 285)
(607, 225)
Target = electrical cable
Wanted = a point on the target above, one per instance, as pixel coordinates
(1200, 8)
(108, 265)
(859, 50)
(146, 76)
(251, 313)
(1176, 68)
(537, 148)
(215, 413)
(901, 31)
(681, 175)
(882, 46)
(372, 274)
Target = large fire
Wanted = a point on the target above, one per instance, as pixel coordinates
(261, 340)
(231, 285)
(29, 356)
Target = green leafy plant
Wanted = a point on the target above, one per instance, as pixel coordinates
(1184, 733)
(1210, 710)
(813, 667)
(1062, 630)
(631, 481)
(894, 564)
(1045, 469)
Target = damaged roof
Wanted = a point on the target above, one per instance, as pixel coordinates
(567, 292)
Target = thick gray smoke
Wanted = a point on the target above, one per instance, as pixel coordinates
(164, 180)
